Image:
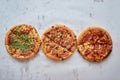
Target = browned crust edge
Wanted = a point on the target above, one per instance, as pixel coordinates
(88, 29)
(18, 57)
(52, 57)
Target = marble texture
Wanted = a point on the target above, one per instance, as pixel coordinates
(77, 14)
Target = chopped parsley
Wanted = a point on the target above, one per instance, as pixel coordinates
(22, 41)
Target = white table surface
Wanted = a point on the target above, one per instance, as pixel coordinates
(77, 14)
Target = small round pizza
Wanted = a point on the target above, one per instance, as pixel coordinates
(94, 44)
(58, 42)
(22, 42)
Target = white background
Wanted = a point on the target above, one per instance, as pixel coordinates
(77, 15)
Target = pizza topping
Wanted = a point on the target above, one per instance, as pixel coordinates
(46, 39)
(61, 42)
(26, 31)
(94, 44)
(24, 54)
(54, 52)
(85, 37)
(21, 41)
(61, 36)
(52, 26)
(48, 49)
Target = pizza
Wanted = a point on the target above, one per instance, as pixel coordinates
(94, 44)
(58, 42)
(22, 42)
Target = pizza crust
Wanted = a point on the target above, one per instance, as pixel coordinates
(16, 53)
(89, 52)
(49, 55)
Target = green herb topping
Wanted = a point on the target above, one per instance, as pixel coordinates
(21, 41)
